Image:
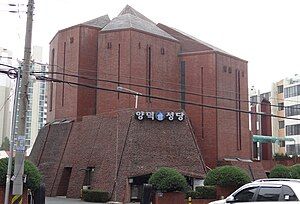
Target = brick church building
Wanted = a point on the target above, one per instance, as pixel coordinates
(94, 137)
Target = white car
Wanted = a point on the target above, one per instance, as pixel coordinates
(266, 191)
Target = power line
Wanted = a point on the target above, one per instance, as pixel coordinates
(140, 78)
(157, 88)
(161, 98)
(153, 87)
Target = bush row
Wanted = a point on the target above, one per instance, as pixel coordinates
(227, 176)
(281, 171)
(95, 196)
(203, 192)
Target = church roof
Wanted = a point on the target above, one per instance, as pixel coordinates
(99, 22)
(132, 11)
(188, 42)
(130, 18)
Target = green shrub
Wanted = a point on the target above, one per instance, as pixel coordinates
(203, 192)
(208, 192)
(296, 169)
(281, 171)
(95, 196)
(33, 179)
(193, 195)
(227, 176)
(168, 180)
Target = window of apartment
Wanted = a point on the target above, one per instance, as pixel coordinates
(293, 129)
(280, 89)
(292, 110)
(281, 124)
(281, 143)
(265, 96)
(292, 91)
(280, 106)
(253, 100)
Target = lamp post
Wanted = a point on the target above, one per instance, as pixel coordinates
(136, 94)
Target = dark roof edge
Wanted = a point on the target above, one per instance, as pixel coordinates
(71, 27)
(140, 31)
(210, 52)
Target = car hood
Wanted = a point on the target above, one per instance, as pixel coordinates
(218, 202)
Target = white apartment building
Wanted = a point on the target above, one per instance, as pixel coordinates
(291, 103)
(285, 100)
(6, 98)
(37, 106)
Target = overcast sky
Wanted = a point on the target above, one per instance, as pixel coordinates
(266, 33)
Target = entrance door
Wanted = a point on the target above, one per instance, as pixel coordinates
(64, 182)
(136, 187)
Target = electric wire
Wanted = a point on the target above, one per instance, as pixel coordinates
(151, 96)
(90, 71)
(138, 78)
(162, 89)
(162, 98)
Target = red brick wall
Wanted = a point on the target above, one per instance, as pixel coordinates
(115, 142)
(232, 126)
(215, 129)
(133, 69)
(204, 124)
(79, 58)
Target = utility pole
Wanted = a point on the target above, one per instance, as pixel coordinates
(12, 137)
(23, 103)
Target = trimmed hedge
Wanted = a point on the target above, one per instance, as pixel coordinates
(34, 177)
(168, 180)
(95, 196)
(281, 171)
(227, 176)
(208, 192)
(296, 169)
(203, 192)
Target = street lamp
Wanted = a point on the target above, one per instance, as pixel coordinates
(136, 94)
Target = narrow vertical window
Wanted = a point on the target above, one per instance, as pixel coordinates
(148, 77)
(202, 109)
(64, 71)
(119, 66)
(51, 83)
(238, 107)
(182, 84)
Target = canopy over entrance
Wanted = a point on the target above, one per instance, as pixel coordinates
(272, 139)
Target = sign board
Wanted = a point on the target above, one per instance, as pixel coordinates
(159, 115)
(20, 143)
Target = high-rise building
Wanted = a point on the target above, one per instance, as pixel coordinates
(284, 99)
(286, 95)
(6, 97)
(37, 107)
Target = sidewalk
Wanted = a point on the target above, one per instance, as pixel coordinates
(63, 200)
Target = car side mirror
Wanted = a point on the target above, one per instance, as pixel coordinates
(286, 197)
(230, 199)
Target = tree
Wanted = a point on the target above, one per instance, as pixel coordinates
(227, 176)
(168, 180)
(34, 177)
(5, 144)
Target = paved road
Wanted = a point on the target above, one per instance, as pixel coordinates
(62, 200)
(59, 200)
